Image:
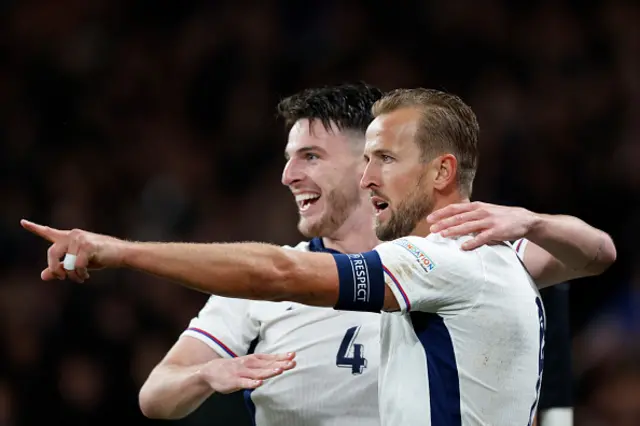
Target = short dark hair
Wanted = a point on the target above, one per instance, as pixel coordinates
(347, 106)
(447, 125)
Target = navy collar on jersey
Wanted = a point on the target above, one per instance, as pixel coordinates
(316, 244)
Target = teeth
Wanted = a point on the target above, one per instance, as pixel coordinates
(304, 197)
(304, 201)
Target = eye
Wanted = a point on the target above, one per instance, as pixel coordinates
(310, 156)
(386, 158)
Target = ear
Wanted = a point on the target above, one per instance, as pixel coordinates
(447, 169)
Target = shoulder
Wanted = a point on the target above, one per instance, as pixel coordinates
(301, 246)
(214, 303)
(431, 252)
(432, 245)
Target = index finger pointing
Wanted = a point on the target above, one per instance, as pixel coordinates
(46, 232)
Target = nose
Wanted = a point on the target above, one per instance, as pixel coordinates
(291, 173)
(370, 177)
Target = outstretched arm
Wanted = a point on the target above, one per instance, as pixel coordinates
(241, 270)
(266, 272)
(560, 247)
(246, 270)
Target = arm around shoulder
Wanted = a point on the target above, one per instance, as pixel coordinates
(564, 248)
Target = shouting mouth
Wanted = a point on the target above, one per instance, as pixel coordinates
(379, 204)
(306, 200)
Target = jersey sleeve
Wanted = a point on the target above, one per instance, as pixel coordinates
(520, 246)
(225, 325)
(431, 275)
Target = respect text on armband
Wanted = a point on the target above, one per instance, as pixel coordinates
(362, 286)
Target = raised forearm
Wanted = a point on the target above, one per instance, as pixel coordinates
(243, 270)
(573, 242)
(173, 392)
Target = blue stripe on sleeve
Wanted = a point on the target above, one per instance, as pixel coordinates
(362, 283)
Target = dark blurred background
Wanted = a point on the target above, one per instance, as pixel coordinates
(155, 120)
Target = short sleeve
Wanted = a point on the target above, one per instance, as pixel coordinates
(225, 325)
(431, 274)
(520, 246)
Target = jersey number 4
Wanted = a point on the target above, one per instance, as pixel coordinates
(350, 353)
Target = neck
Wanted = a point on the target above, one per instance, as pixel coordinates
(422, 228)
(357, 234)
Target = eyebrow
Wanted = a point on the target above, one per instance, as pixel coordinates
(379, 152)
(304, 150)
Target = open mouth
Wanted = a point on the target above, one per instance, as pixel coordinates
(379, 204)
(305, 201)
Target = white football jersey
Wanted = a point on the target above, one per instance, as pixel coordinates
(467, 346)
(338, 353)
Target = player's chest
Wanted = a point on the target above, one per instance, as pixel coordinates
(320, 336)
(278, 319)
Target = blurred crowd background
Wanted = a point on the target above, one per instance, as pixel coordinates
(155, 120)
